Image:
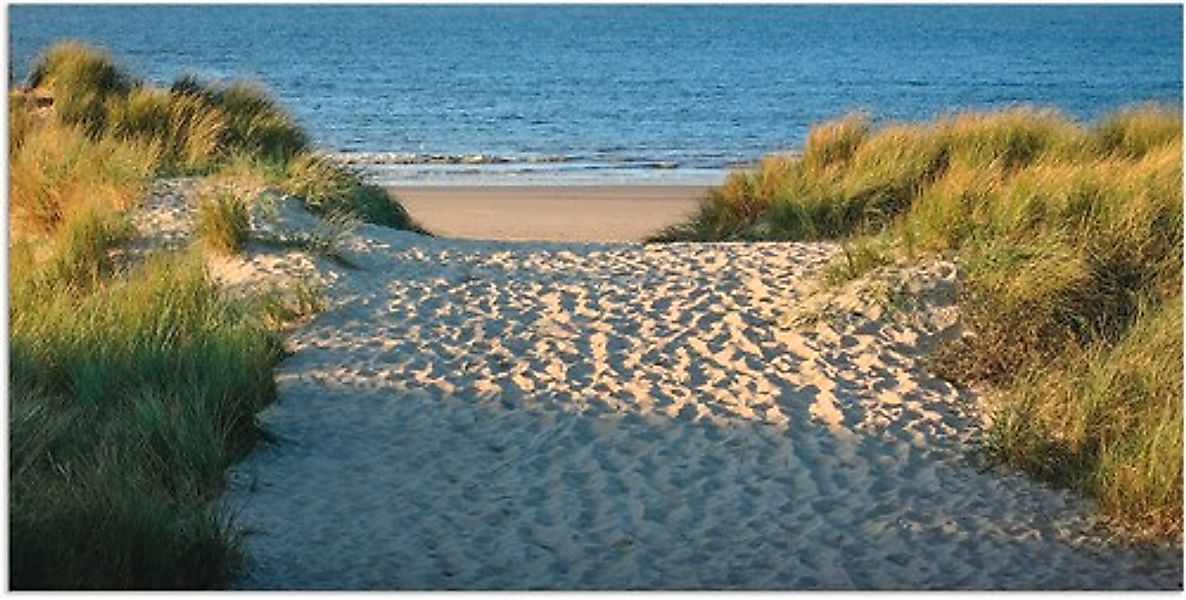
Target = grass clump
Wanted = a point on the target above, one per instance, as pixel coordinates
(130, 392)
(1108, 419)
(222, 222)
(326, 187)
(331, 189)
(58, 166)
(81, 79)
(832, 144)
(256, 125)
(1070, 244)
(191, 136)
(1134, 131)
(193, 127)
(80, 251)
(858, 258)
(132, 388)
(126, 406)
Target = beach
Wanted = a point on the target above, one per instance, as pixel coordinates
(571, 213)
(595, 298)
(493, 414)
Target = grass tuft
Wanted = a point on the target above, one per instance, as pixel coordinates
(81, 79)
(1108, 419)
(132, 388)
(329, 188)
(222, 223)
(127, 404)
(58, 166)
(832, 144)
(858, 258)
(190, 135)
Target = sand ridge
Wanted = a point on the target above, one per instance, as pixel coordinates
(497, 415)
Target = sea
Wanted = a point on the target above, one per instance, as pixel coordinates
(610, 93)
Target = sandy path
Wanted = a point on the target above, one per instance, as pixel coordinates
(562, 416)
(587, 213)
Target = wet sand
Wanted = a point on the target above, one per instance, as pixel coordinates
(562, 213)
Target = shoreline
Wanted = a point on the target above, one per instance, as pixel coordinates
(568, 212)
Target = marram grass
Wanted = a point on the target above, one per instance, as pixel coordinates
(191, 128)
(57, 167)
(133, 386)
(1070, 244)
(222, 222)
(126, 406)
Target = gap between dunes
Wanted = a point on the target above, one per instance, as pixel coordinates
(499, 415)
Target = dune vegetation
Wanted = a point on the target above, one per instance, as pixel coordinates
(1069, 240)
(134, 382)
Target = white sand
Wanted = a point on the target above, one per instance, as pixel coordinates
(498, 415)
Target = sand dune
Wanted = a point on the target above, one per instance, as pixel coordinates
(498, 415)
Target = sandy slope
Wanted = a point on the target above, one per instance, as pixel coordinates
(561, 416)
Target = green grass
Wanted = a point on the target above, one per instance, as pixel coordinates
(81, 80)
(330, 189)
(134, 385)
(194, 128)
(126, 406)
(57, 168)
(1070, 244)
(1108, 419)
(858, 257)
(80, 250)
(129, 391)
(190, 135)
(222, 222)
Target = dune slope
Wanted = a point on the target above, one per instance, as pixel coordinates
(493, 415)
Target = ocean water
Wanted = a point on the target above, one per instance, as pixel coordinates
(625, 93)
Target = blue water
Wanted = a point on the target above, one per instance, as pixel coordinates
(514, 93)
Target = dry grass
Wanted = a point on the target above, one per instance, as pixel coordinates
(1070, 240)
(127, 403)
(57, 166)
(130, 390)
(223, 224)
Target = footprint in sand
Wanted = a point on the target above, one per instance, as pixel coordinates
(491, 415)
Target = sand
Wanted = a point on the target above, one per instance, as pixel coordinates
(528, 415)
(586, 213)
